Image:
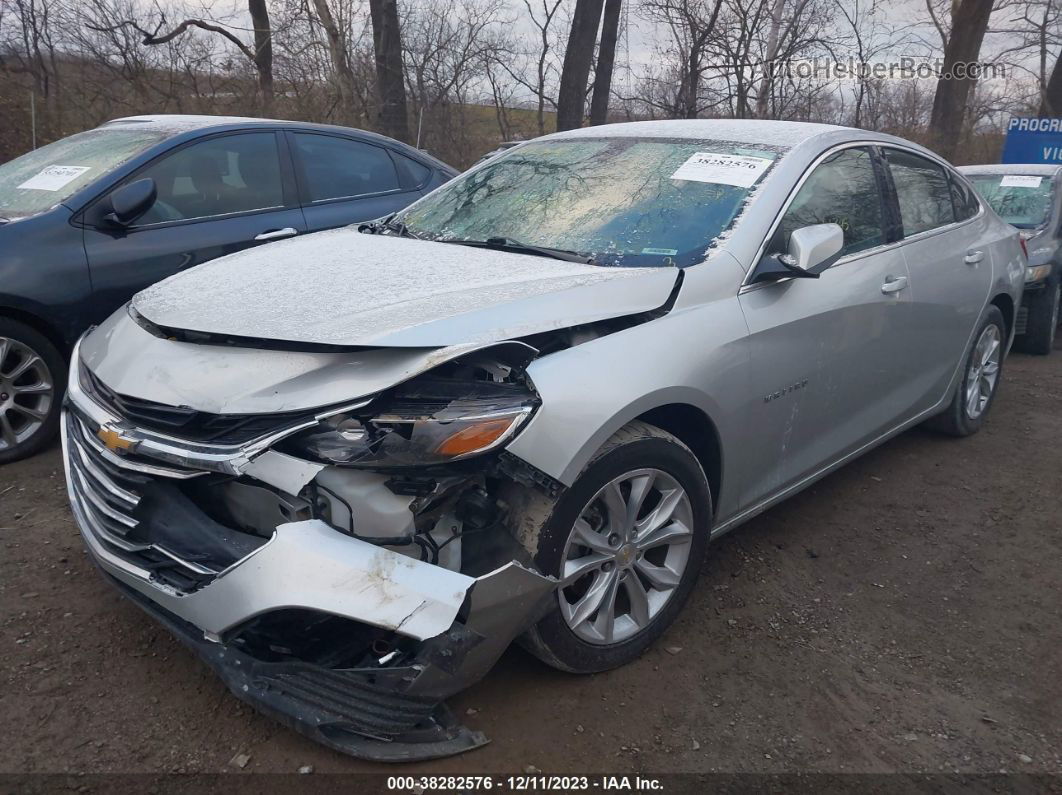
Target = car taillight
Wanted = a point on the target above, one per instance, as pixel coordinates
(1024, 248)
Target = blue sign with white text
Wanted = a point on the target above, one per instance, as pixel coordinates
(1031, 140)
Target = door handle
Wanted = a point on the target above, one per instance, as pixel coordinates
(973, 257)
(277, 234)
(893, 284)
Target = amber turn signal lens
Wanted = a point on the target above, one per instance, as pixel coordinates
(475, 437)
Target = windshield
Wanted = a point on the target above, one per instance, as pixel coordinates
(622, 201)
(43, 178)
(1020, 200)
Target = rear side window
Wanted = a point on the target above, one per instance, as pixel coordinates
(923, 191)
(340, 168)
(842, 190)
(416, 173)
(962, 199)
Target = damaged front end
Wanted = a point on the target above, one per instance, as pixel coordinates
(344, 570)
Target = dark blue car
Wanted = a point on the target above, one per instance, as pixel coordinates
(89, 220)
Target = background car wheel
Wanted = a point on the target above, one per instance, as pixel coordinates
(32, 382)
(626, 541)
(980, 381)
(1039, 336)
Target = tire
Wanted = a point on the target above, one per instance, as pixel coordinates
(657, 462)
(959, 419)
(32, 384)
(1043, 306)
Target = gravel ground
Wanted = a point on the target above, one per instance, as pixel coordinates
(901, 615)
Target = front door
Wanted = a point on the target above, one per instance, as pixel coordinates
(215, 196)
(827, 353)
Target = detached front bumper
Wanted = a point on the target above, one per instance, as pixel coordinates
(407, 634)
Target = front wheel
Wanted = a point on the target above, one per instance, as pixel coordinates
(626, 543)
(976, 390)
(32, 379)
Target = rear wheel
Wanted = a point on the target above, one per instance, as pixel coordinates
(32, 379)
(626, 542)
(1040, 329)
(977, 388)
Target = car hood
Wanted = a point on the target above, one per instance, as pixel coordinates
(345, 288)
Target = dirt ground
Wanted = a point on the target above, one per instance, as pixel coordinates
(905, 614)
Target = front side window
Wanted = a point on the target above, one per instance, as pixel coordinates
(842, 190)
(341, 168)
(623, 201)
(219, 176)
(1022, 200)
(43, 178)
(922, 190)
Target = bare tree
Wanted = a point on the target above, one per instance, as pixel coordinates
(690, 25)
(578, 58)
(606, 59)
(969, 23)
(390, 85)
(259, 53)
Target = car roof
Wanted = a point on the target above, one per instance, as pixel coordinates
(754, 131)
(177, 124)
(1028, 169)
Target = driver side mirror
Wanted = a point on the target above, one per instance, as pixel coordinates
(127, 203)
(812, 249)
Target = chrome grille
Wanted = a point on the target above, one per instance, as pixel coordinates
(107, 488)
(187, 423)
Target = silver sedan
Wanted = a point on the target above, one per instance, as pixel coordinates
(349, 469)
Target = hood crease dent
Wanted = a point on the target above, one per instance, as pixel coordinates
(349, 289)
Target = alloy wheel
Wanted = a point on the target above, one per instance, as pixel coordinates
(26, 392)
(625, 556)
(983, 371)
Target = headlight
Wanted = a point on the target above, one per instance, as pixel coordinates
(1037, 273)
(427, 421)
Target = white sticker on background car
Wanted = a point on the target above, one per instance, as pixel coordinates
(739, 170)
(53, 177)
(1017, 181)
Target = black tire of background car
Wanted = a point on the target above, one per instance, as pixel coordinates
(1039, 336)
(635, 445)
(954, 421)
(43, 347)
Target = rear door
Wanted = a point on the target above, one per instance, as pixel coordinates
(345, 180)
(215, 196)
(828, 353)
(947, 247)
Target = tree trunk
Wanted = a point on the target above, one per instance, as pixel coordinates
(969, 23)
(387, 41)
(763, 95)
(579, 55)
(263, 51)
(1051, 101)
(337, 52)
(606, 59)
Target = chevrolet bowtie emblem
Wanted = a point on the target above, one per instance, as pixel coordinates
(113, 440)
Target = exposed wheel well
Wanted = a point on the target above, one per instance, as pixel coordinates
(34, 322)
(698, 432)
(1006, 306)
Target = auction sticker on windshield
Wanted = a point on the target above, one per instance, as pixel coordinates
(1018, 181)
(739, 170)
(53, 177)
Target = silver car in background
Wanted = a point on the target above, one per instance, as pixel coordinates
(1027, 196)
(349, 469)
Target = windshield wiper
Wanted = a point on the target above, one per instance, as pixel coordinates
(508, 244)
(388, 224)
